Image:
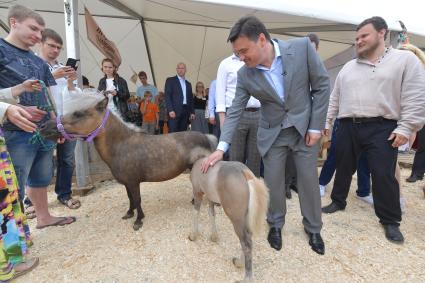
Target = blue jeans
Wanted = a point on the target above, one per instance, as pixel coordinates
(328, 169)
(33, 163)
(64, 169)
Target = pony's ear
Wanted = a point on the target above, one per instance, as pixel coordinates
(102, 105)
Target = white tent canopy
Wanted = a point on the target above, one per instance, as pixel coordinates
(154, 35)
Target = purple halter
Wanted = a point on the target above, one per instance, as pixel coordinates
(89, 137)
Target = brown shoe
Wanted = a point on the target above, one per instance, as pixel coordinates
(30, 212)
(71, 203)
(25, 266)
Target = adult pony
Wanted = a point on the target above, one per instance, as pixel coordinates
(132, 155)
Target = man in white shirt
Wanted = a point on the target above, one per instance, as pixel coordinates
(51, 45)
(244, 141)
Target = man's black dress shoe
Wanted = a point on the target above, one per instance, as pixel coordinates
(316, 242)
(413, 178)
(331, 208)
(393, 234)
(275, 238)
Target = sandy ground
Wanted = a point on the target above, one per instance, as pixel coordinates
(100, 247)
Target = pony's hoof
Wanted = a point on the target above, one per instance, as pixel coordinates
(238, 262)
(193, 236)
(128, 215)
(214, 238)
(137, 226)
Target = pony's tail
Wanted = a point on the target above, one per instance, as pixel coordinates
(258, 202)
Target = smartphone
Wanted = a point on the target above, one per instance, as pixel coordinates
(71, 62)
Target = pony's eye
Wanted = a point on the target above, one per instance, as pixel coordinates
(78, 114)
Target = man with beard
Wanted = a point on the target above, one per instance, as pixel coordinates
(379, 99)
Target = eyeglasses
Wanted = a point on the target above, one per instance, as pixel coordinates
(54, 46)
(240, 52)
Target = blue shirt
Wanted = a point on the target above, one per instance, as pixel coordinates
(18, 65)
(211, 99)
(274, 75)
(140, 92)
(183, 85)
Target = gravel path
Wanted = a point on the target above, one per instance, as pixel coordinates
(100, 247)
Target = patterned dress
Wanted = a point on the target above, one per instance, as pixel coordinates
(15, 234)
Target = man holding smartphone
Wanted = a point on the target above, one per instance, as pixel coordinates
(51, 45)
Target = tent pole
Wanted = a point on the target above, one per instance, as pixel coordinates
(123, 8)
(4, 26)
(142, 23)
(73, 51)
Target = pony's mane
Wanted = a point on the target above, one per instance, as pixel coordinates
(77, 100)
(128, 125)
(80, 100)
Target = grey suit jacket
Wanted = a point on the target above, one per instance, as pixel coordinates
(306, 87)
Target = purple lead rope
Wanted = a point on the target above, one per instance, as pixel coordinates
(89, 137)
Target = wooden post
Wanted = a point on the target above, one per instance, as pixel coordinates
(82, 168)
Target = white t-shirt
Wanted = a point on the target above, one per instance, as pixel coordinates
(110, 84)
(57, 90)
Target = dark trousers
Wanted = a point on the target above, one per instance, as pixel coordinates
(216, 127)
(179, 124)
(290, 170)
(161, 124)
(419, 160)
(64, 169)
(371, 138)
(328, 169)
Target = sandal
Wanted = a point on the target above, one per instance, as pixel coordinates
(25, 266)
(62, 221)
(30, 212)
(70, 203)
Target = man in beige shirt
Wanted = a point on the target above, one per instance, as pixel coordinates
(379, 99)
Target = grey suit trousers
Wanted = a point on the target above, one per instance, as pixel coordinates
(305, 159)
(244, 142)
(290, 171)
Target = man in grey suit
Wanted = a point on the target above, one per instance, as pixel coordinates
(290, 81)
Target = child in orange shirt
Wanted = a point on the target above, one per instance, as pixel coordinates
(150, 114)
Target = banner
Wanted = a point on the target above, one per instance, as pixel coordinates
(98, 38)
(134, 77)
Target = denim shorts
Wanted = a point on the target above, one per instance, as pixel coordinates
(33, 163)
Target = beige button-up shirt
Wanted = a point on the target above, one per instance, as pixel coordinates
(393, 88)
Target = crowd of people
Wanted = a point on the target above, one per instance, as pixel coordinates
(269, 105)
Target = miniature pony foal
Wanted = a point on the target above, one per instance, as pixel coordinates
(244, 199)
